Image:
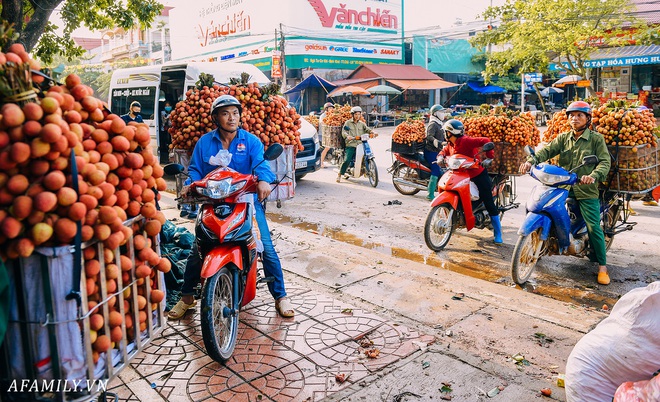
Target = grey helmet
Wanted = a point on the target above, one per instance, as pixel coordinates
(225, 100)
(435, 109)
(356, 109)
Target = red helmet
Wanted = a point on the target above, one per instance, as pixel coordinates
(579, 106)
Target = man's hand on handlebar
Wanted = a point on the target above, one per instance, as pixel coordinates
(586, 179)
(524, 167)
(263, 190)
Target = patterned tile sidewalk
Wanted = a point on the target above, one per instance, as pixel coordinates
(276, 359)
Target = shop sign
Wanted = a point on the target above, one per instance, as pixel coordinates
(276, 69)
(210, 29)
(533, 77)
(612, 62)
(583, 83)
(347, 18)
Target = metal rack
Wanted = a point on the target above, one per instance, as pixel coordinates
(114, 360)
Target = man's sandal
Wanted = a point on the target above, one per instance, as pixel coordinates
(180, 309)
(284, 307)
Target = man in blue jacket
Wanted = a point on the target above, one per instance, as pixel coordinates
(247, 152)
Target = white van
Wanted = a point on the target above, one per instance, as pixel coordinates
(152, 86)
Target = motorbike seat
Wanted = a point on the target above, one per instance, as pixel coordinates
(422, 160)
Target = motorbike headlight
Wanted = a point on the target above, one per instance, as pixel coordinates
(547, 178)
(455, 163)
(218, 189)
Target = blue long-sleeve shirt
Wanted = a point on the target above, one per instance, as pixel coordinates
(246, 149)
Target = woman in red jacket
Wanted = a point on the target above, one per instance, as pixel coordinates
(469, 146)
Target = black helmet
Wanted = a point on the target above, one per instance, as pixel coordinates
(454, 127)
(225, 100)
(135, 103)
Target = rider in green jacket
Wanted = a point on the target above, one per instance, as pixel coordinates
(571, 147)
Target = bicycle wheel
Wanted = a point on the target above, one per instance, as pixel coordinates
(406, 173)
(372, 172)
(439, 226)
(526, 254)
(219, 327)
(609, 223)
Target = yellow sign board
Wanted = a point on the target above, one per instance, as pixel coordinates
(583, 83)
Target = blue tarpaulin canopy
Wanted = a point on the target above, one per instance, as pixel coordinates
(313, 81)
(310, 94)
(485, 89)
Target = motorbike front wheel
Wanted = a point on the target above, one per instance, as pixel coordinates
(219, 328)
(404, 172)
(439, 226)
(372, 172)
(526, 254)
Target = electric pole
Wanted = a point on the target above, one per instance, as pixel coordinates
(283, 59)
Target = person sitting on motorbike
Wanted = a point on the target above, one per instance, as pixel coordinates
(247, 152)
(435, 136)
(469, 146)
(353, 129)
(327, 108)
(571, 147)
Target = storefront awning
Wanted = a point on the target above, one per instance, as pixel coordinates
(422, 84)
(619, 56)
(485, 89)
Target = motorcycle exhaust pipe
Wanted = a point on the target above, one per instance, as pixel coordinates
(404, 182)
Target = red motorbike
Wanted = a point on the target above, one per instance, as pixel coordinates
(457, 204)
(410, 173)
(228, 247)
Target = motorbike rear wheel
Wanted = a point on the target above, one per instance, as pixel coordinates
(372, 172)
(406, 173)
(219, 330)
(439, 226)
(526, 254)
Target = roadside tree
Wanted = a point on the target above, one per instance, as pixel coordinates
(31, 20)
(530, 34)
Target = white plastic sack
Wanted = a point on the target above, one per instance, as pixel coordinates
(69, 337)
(623, 347)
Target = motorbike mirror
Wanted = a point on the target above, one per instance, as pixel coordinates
(489, 146)
(172, 169)
(273, 152)
(529, 150)
(590, 160)
(346, 128)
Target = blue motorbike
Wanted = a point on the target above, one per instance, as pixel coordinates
(554, 224)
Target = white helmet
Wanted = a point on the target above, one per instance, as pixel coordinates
(356, 109)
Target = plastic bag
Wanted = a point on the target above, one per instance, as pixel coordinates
(623, 347)
(222, 158)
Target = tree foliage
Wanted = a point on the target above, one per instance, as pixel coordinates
(531, 34)
(40, 36)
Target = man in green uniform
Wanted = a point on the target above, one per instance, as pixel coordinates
(353, 129)
(571, 147)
